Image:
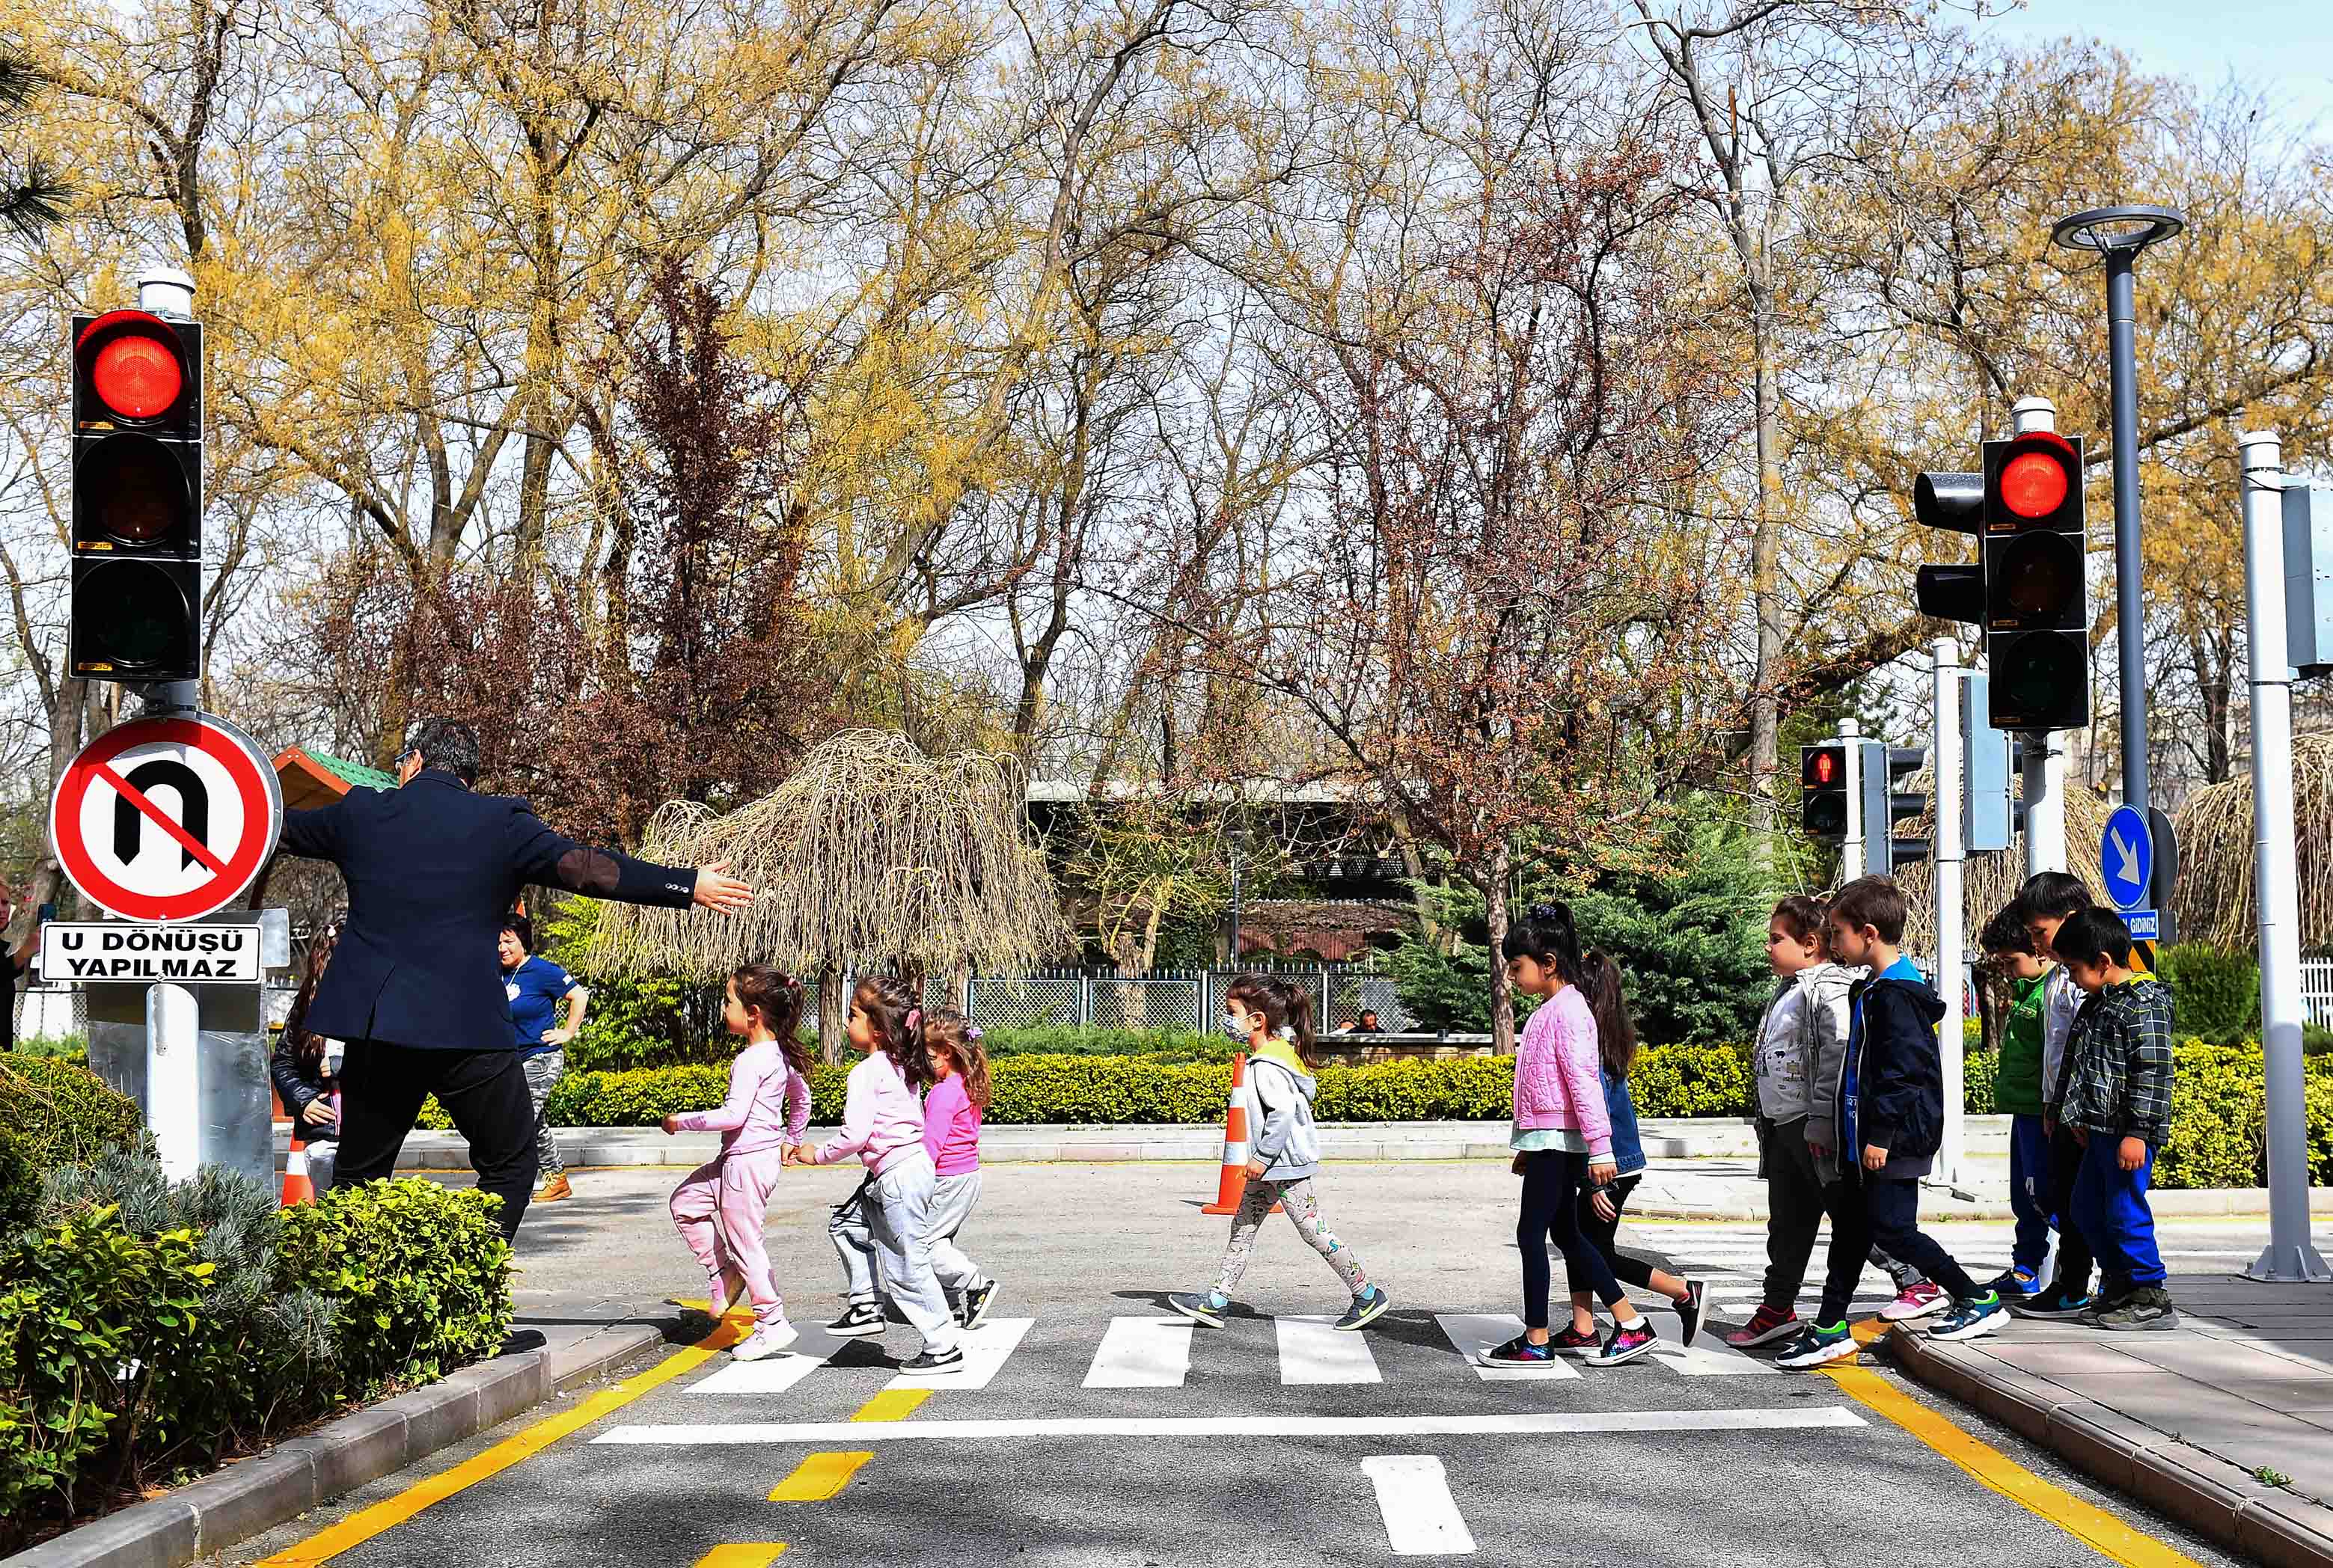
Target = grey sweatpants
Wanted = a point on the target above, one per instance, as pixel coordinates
(543, 1070)
(882, 1234)
(953, 1198)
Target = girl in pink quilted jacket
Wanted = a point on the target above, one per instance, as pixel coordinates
(1562, 1140)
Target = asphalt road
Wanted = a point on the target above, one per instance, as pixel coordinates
(1096, 1434)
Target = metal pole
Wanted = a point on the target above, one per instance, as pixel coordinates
(1949, 914)
(2288, 1255)
(174, 1079)
(1852, 860)
(2130, 614)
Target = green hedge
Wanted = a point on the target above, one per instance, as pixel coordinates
(63, 1113)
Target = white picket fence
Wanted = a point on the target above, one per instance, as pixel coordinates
(2316, 989)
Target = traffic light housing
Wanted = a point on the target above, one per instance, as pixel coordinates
(1884, 805)
(136, 612)
(1822, 783)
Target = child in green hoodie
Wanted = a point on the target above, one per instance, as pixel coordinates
(2017, 1091)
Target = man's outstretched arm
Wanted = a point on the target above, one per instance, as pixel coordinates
(540, 853)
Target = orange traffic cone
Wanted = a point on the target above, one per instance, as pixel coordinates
(1232, 1184)
(297, 1188)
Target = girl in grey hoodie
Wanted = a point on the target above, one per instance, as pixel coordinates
(1277, 1019)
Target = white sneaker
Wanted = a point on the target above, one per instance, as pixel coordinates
(766, 1340)
(1914, 1301)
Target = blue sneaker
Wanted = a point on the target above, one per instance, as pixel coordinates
(2014, 1284)
(1816, 1346)
(1518, 1352)
(1208, 1308)
(1366, 1309)
(1977, 1315)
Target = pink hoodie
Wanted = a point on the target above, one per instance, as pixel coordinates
(882, 1119)
(952, 1128)
(768, 1103)
(1556, 1080)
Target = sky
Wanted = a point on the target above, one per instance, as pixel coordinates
(2285, 46)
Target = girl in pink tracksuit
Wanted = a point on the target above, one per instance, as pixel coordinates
(883, 1124)
(1562, 1140)
(721, 1207)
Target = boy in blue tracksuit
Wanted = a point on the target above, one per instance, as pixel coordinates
(1891, 1105)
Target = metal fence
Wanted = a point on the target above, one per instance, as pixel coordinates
(2317, 990)
(1190, 999)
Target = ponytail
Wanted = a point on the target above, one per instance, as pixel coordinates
(1616, 1031)
(778, 998)
(1547, 936)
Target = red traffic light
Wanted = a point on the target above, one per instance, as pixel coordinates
(134, 365)
(1822, 768)
(2031, 479)
(2033, 486)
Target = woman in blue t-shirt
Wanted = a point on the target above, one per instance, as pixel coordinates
(536, 985)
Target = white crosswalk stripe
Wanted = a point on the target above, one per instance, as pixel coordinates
(777, 1375)
(986, 1351)
(1421, 1518)
(1312, 1352)
(1143, 1352)
(1471, 1334)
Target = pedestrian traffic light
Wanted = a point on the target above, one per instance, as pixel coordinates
(136, 612)
(2037, 600)
(1822, 783)
(1885, 804)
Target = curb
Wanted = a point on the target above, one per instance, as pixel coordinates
(256, 1495)
(2179, 1203)
(2200, 1490)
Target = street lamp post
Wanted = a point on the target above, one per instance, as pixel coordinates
(2119, 234)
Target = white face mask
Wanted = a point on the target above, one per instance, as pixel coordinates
(1234, 1027)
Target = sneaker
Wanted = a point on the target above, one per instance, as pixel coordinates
(1689, 1310)
(554, 1190)
(928, 1361)
(1518, 1352)
(2014, 1283)
(1915, 1301)
(1814, 1347)
(1572, 1341)
(861, 1320)
(769, 1337)
(1765, 1326)
(1627, 1344)
(976, 1303)
(2053, 1302)
(1367, 1308)
(2147, 1307)
(1207, 1309)
(1978, 1315)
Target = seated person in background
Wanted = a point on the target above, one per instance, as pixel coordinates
(305, 1069)
(1366, 1024)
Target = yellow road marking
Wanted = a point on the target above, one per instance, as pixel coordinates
(382, 1516)
(742, 1555)
(2092, 1526)
(818, 1476)
(892, 1405)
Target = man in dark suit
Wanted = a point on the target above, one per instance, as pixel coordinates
(414, 987)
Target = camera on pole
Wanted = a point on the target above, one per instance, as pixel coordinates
(137, 594)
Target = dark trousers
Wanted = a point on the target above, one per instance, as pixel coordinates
(2074, 1255)
(1888, 1216)
(383, 1086)
(1797, 1201)
(1553, 1180)
(1604, 1234)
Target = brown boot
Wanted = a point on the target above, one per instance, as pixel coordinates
(554, 1190)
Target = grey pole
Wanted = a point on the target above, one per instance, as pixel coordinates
(2290, 1254)
(1950, 915)
(1851, 862)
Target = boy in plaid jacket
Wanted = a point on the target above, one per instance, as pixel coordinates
(2114, 1094)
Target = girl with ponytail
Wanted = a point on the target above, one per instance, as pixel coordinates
(721, 1208)
(1562, 1140)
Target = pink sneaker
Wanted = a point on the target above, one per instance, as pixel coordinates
(1918, 1301)
(1765, 1326)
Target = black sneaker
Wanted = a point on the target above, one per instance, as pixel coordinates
(1365, 1310)
(1688, 1312)
(858, 1322)
(1814, 1347)
(976, 1303)
(2014, 1284)
(1974, 1315)
(2052, 1304)
(928, 1361)
(2147, 1307)
(1200, 1307)
(1625, 1345)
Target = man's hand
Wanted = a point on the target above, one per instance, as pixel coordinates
(318, 1113)
(1255, 1170)
(1875, 1157)
(1602, 1171)
(718, 891)
(2132, 1154)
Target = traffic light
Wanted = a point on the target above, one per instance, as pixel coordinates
(2037, 601)
(2027, 588)
(1822, 783)
(1884, 805)
(136, 613)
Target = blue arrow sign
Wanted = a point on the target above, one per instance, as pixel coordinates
(2127, 858)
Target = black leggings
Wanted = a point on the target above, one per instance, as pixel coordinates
(1604, 1235)
(1553, 1179)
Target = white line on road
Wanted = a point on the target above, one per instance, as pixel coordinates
(985, 1349)
(752, 1434)
(1142, 1353)
(777, 1375)
(1710, 1361)
(1311, 1351)
(1475, 1332)
(1421, 1518)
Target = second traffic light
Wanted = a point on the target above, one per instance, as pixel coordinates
(136, 612)
(1884, 805)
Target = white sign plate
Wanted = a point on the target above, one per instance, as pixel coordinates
(93, 950)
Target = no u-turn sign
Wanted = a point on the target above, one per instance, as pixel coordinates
(167, 819)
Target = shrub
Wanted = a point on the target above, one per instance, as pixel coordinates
(67, 1047)
(2215, 992)
(63, 1113)
(1084, 1040)
(1692, 1081)
(20, 1185)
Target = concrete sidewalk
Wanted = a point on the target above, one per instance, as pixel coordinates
(2226, 1423)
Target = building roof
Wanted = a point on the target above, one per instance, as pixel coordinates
(310, 779)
